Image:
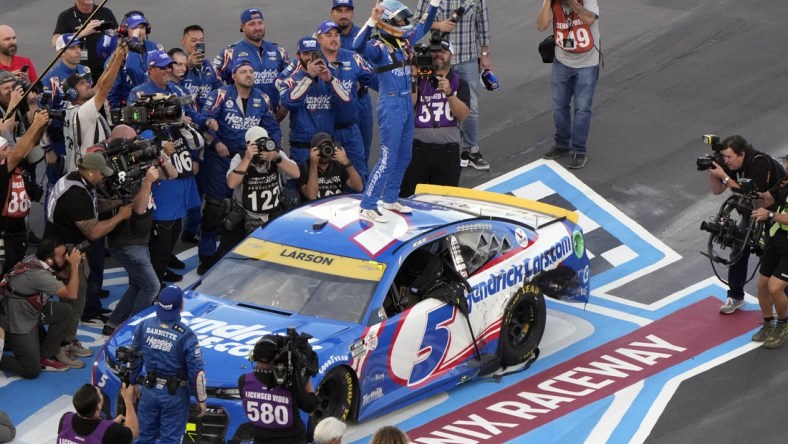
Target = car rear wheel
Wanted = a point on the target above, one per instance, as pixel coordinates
(523, 326)
(335, 395)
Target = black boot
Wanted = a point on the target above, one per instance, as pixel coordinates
(206, 262)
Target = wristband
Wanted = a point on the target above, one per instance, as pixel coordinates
(771, 216)
(371, 23)
(453, 93)
(485, 53)
(349, 164)
(278, 160)
(239, 172)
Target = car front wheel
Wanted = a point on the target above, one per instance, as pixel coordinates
(335, 395)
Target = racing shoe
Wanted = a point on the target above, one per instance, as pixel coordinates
(765, 331)
(778, 336)
(475, 160)
(397, 208)
(52, 365)
(731, 305)
(373, 215)
(65, 356)
(555, 152)
(77, 349)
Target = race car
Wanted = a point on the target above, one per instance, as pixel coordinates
(397, 311)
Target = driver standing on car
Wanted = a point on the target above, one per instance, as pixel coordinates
(270, 407)
(173, 371)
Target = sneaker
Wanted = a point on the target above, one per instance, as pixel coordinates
(475, 160)
(373, 215)
(108, 330)
(578, 161)
(53, 365)
(731, 305)
(397, 208)
(778, 336)
(77, 349)
(190, 238)
(170, 276)
(175, 263)
(206, 262)
(66, 357)
(765, 331)
(555, 152)
(464, 156)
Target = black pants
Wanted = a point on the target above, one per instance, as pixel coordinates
(28, 349)
(14, 249)
(437, 164)
(164, 236)
(96, 259)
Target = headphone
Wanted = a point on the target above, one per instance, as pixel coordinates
(71, 94)
(267, 339)
(123, 29)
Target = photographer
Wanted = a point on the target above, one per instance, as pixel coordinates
(72, 212)
(257, 188)
(174, 371)
(25, 299)
(442, 100)
(740, 161)
(467, 24)
(261, 392)
(327, 171)
(86, 424)
(772, 281)
(85, 126)
(11, 91)
(13, 189)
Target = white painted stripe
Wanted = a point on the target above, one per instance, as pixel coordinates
(661, 401)
(41, 427)
(534, 191)
(622, 401)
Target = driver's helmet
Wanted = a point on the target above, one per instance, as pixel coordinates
(396, 19)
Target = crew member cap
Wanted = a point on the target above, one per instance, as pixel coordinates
(159, 59)
(319, 138)
(251, 14)
(169, 302)
(6, 76)
(338, 3)
(63, 39)
(307, 44)
(136, 19)
(239, 62)
(326, 26)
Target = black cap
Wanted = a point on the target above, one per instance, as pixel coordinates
(72, 80)
(266, 348)
(319, 138)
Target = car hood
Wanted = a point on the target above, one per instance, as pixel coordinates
(228, 331)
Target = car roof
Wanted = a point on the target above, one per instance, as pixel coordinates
(333, 225)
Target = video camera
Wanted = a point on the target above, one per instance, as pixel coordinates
(127, 357)
(705, 162)
(130, 159)
(152, 111)
(295, 357)
(422, 57)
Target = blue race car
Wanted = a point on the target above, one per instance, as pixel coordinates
(397, 311)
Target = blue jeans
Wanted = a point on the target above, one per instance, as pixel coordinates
(469, 71)
(143, 283)
(580, 83)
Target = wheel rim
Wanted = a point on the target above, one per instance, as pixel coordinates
(327, 398)
(520, 324)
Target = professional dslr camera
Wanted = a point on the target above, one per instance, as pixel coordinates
(263, 144)
(705, 162)
(294, 355)
(326, 149)
(152, 111)
(82, 247)
(45, 103)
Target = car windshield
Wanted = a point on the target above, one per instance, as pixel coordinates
(294, 279)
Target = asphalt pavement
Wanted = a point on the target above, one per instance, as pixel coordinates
(673, 71)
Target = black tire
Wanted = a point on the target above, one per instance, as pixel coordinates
(336, 395)
(523, 326)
